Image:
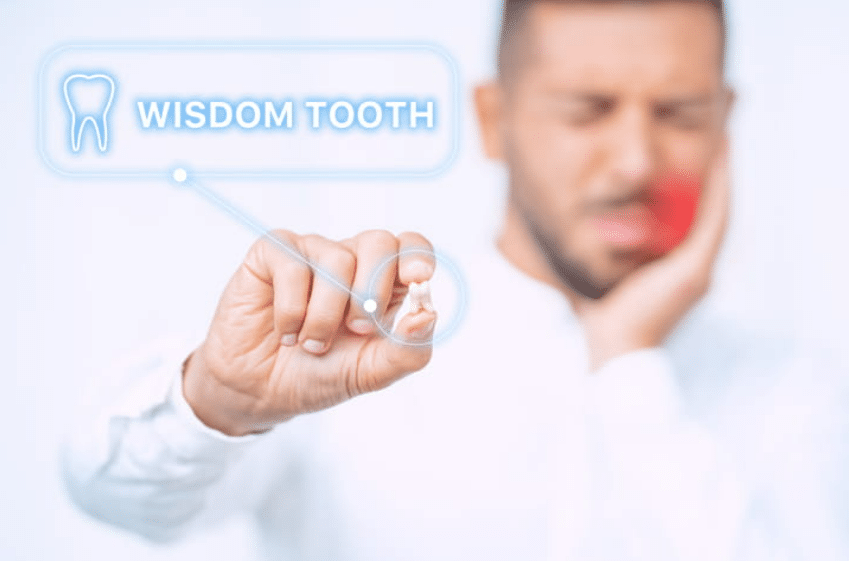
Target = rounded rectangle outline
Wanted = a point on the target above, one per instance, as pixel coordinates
(267, 174)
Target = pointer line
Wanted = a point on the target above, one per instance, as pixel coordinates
(260, 230)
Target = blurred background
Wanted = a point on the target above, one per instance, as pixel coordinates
(93, 269)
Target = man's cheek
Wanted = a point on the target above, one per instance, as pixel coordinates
(672, 202)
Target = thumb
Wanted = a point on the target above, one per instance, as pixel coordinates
(408, 349)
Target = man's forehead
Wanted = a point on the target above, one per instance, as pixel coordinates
(613, 42)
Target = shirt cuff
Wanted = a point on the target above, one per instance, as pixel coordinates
(187, 432)
(638, 389)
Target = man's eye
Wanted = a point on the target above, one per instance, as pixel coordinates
(682, 119)
(586, 115)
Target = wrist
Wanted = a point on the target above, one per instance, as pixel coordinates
(214, 404)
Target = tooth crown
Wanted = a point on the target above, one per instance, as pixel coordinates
(419, 293)
(80, 119)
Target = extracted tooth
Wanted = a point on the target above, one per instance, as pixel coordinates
(89, 98)
(420, 297)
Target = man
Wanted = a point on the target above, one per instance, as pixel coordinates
(581, 413)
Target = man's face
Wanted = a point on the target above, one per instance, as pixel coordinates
(604, 101)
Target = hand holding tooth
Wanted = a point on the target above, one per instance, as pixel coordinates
(286, 340)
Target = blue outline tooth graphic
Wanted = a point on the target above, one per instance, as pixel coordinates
(80, 90)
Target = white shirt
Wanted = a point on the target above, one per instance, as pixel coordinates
(719, 446)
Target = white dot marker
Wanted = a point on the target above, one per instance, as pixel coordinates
(180, 175)
(370, 306)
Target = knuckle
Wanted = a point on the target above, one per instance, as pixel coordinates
(284, 235)
(341, 259)
(418, 238)
(262, 248)
(292, 269)
(367, 384)
(322, 323)
(364, 382)
(290, 311)
(383, 238)
(264, 244)
(349, 389)
(359, 378)
(254, 257)
(312, 239)
(353, 386)
(313, 246)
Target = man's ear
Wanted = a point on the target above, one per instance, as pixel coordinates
(489, 103)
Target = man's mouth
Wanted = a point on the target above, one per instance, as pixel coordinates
(652, 222)
(627, 227)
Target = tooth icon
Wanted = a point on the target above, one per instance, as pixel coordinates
(89, 98)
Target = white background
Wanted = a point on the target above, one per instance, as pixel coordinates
(93, 269)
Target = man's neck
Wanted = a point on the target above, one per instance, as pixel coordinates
(518, 246)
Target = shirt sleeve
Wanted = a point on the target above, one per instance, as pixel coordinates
(666, 479)
(143, 461)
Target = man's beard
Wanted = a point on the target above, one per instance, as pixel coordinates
(568, 270)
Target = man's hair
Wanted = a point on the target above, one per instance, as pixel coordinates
(516, 10)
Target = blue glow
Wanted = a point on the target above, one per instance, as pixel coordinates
(79, 122)
(372, 114)
(214, 114)
(462, 296)
(339, 114)
(341, 173)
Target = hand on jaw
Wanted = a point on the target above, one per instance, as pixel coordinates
(644, 308)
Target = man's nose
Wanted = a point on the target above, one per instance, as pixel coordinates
(633, 151)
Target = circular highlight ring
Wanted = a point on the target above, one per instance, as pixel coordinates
(462, 297)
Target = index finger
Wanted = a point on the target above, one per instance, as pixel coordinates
(416, 260)
(711, 219)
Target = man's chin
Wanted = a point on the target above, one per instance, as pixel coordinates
(594, 282)
(622, 262)
(619, 266)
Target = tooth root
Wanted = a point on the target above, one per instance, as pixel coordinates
(78, 129)
(102, 133)
(75, 144)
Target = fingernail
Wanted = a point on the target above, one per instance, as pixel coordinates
(361, 326)
(313, 346)
(289, 340)
(420, 270)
